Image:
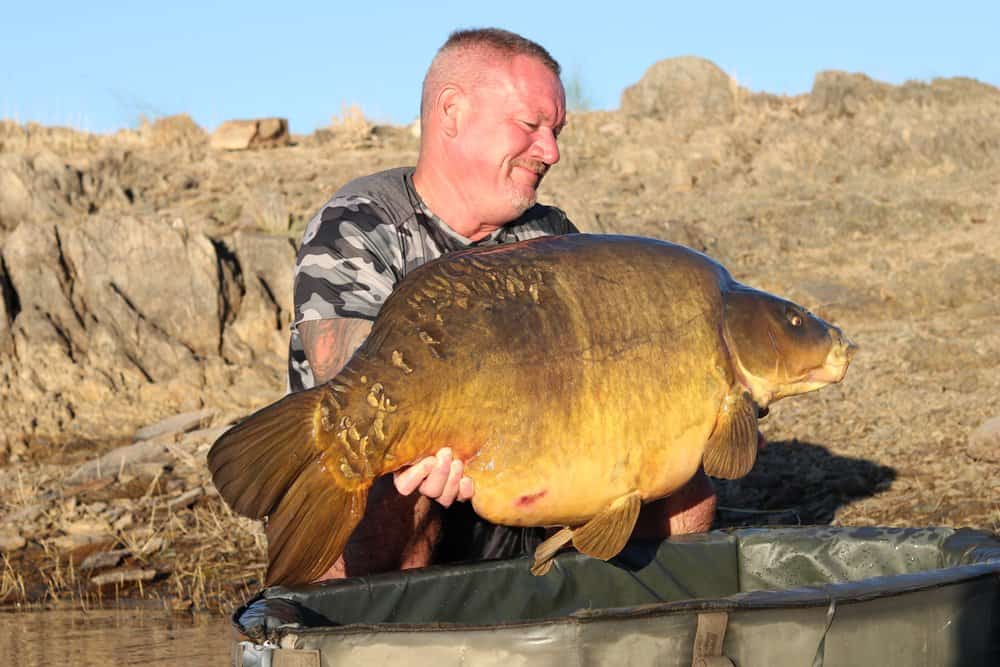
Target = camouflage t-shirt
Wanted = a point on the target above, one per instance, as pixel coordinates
(362, 242)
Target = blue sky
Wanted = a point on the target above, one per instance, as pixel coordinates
(101, 65)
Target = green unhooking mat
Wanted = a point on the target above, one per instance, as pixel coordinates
(783, 596)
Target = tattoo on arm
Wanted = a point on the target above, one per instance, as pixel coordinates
(329, 344)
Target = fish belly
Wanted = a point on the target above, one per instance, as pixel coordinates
(568, 491)
(546, 495)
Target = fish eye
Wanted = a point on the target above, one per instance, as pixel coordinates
(794, 318)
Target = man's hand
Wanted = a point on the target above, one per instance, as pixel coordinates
(438, 477)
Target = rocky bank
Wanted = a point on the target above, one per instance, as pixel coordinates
(147, 274)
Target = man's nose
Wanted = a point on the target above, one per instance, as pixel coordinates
(547, 146)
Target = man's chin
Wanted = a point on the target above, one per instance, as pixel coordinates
(522, 201)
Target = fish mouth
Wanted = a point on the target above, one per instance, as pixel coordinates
(837, 361)
(762, 411)
(829, 373)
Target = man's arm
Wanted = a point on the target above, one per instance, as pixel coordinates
(329, 344)
(690, 509)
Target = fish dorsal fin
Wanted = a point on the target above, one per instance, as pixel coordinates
(732, 448)
(606, 534)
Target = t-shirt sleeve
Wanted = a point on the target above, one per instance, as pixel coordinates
(348, 264)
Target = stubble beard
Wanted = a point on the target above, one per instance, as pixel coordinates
(520, 200)
(522, 197)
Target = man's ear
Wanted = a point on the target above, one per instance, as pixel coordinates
(449, 106)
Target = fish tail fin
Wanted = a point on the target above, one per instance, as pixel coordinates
(311, 526)
(279, 463)
(255, 462)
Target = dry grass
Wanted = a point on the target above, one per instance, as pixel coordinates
(270, 212)
(203, 555)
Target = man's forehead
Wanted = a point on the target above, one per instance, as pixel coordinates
(543, 108)
(527, 85)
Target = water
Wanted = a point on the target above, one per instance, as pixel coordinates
(116, 637)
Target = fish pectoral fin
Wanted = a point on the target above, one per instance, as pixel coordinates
(546, 551)
(606, 534)
(732, 448)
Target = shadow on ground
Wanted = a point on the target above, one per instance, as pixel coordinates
(796, 483)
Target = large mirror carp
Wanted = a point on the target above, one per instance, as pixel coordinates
(577, 376)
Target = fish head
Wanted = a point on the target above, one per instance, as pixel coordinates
(779, 348)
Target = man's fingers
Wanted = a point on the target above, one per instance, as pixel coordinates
(465, 489)
(438, 477)
(435, 483)
(450, 490)
(408, 480)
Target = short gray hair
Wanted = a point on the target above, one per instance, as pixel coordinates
(479, 44)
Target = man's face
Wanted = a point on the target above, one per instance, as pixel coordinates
(508, 139)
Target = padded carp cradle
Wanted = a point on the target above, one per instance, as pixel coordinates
(749, 597)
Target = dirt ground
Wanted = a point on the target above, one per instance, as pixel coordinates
(881, 215)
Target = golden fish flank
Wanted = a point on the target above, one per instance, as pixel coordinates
(580, 376)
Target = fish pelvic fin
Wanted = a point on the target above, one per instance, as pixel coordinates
(295, 464)
(731, 450)
(606, 534)
(546, 551)
(602, 537)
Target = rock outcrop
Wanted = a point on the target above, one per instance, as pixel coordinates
(240, 135)
(121, 319)
(689, 91)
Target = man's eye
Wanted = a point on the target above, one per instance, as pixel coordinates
(528, 124)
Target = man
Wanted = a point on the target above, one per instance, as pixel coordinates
(492, 108)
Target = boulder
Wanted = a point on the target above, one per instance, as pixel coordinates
(154, 286)
(239, 135)
(107, 308)
(111, 323)
(844, 93)
(169, 131)
(48, 326)
(688, 90)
